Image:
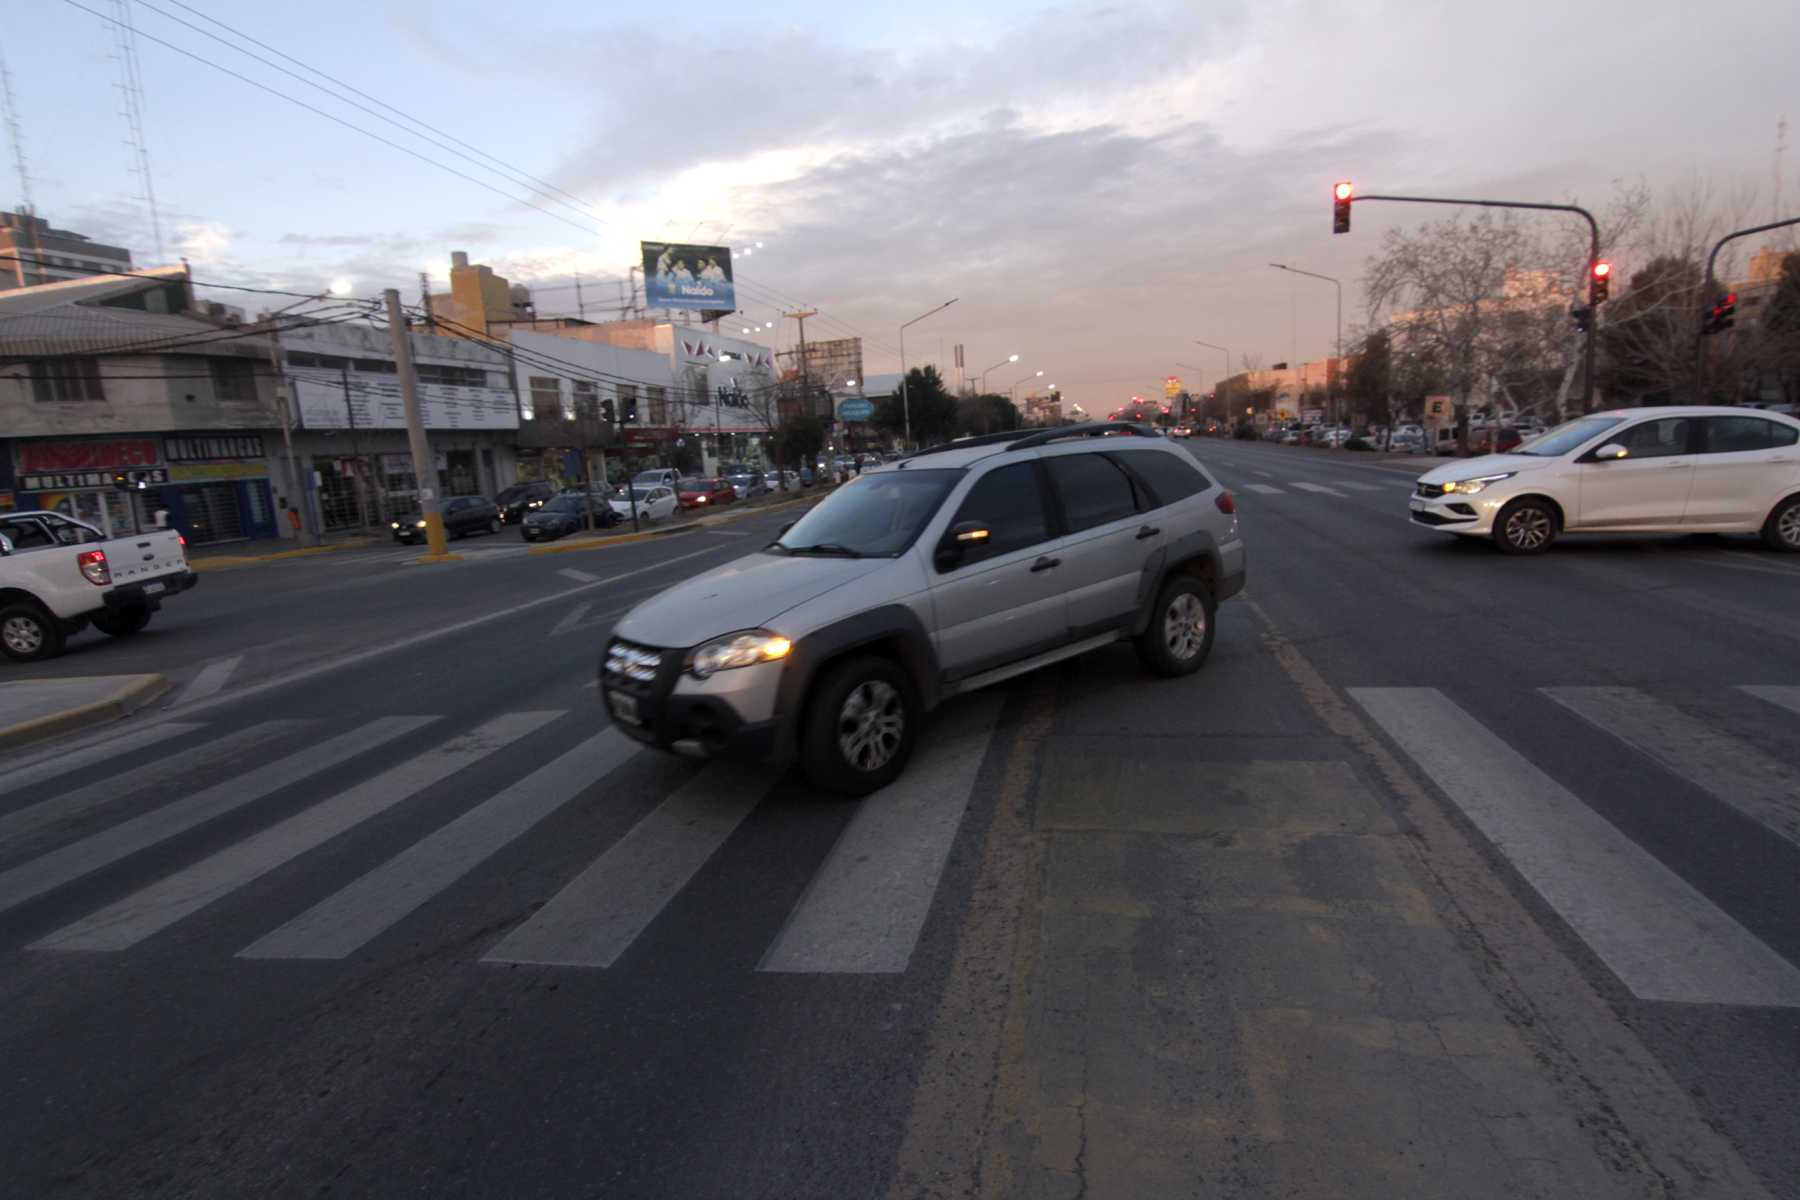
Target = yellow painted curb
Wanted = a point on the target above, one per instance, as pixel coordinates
(435, 558)
(141, 690)
(602, 543)
(226, 562)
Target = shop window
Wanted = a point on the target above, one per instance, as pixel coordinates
(233, 380)
(62, 380)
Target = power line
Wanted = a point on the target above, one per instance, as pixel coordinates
(188, 279)
(312, 108)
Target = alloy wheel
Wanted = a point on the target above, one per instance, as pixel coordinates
(22, 635)
(871, 724)
(1184, 626)
(1788, 528)
(1528, 528)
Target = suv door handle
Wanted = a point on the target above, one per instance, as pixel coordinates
(1044, 564)
(1148, 531)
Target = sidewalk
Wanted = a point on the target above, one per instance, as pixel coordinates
(262, 550)
(34, 709)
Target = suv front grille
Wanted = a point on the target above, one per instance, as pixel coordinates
(632, 667)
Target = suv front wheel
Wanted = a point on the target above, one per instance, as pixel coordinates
(860, 727)
(1180, 633)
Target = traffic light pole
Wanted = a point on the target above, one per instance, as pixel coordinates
(1706, 290)
(1587, 365)
(424, 466)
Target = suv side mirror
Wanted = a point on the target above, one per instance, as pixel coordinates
(5, 545)
(1611, 452)
(966, 540)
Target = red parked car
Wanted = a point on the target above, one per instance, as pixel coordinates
(704, 493)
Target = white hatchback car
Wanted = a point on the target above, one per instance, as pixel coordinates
(654, 503)
(1635, 470)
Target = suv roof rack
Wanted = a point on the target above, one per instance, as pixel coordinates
(1020, 440)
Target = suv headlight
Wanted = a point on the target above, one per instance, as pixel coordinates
(744, 649)
(1468, 487)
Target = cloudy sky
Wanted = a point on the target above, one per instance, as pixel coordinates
(1097, 184)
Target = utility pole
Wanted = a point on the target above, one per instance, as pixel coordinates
(905, 396)
(805, 374)
(425, 298)
(424, 467)
(362, 471)
(284, 399)
(580, 304)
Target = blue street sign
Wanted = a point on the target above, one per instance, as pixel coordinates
(856, 409)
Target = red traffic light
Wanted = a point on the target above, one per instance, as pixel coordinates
(1340, 207)
(1602, 270)
(1599, 281)
(1343, 190)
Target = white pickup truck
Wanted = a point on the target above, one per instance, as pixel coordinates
(58, 574)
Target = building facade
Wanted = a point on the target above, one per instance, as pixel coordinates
(33, 252)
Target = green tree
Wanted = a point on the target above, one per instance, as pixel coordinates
(1369, 383)
(799, 440)
(990, 413)
(932, 407)
(1647, 334)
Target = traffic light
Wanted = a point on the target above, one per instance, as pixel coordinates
(1582, 317)
(1340, 207)
(1599, 281)
(121, 481)
(1722, 315)
(606, 411)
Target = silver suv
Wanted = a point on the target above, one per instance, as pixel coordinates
(944, 572)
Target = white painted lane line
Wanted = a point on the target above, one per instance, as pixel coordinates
(1730, 769)
(578, 576)
(1783, 697)
(211, 678)
(1319, 488)
(726, 532)
(1265, 489)
(90, 854)
(594, 920)
(1263, 474)
(1357, 487)
(220, 752)
(346, 920)
(155, 908)
(866, 906)
(575, 617)
(17, 778)
(1661, 937)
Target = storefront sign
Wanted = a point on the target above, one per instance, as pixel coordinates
(87, 456)
(70, 481)
(213, 447)
(373, 402)
(207, 472)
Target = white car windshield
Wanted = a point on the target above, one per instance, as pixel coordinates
(1564, 438)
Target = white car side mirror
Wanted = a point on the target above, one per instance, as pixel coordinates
(6, 546)
(1611, 452)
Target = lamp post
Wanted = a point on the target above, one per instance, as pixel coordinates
(1337, 416)
(1013, 392)
(981, 387)
(905, 398)
(1227, 375)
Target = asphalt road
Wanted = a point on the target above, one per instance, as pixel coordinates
(1451, 874)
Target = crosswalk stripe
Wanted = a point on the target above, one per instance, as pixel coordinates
(577, 576)
(220, 752)
(868, 902)
(1782, 697)
(1319, 488)
(1661, 937)
(90, 854)
(155, 908)
(18, 778)
(594, 920)
(574, 618)
(1266, 489)
(345, 920)
(211, 678)
(1731, 769)
(1357, 487)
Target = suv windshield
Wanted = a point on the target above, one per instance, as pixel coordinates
(872, 516)
(1564, 438)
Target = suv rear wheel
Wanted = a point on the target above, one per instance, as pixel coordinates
(860, 727)
(1782, 530)
(124, 622)
(1180, 633)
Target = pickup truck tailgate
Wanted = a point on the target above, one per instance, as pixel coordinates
(146, 556)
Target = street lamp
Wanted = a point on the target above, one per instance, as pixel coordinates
(1337, 416)
(1013, 392)
(905, 396)
(982, 385)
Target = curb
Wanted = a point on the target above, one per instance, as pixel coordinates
(229, 562)
(620, 539)
(134, 694)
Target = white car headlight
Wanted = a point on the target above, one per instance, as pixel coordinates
(1468, 487)
(420, 524)
(744, 649)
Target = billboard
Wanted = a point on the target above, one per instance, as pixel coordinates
(375, 403)
(677, 275)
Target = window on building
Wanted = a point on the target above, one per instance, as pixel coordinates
(628, 404)
(587, 401)
(546, 398)
(460, 376)
(659, 406)
(233, 380)
(380, 366)
(60, 380)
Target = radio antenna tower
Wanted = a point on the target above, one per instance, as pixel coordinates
(17, 137)
(131, 98)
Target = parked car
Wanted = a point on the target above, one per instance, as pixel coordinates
(966, 565)
(807, 477)
(748, 485)
(565, 514)
(653, 502)
(462, 516)
(705, 493)
(1641, 470)
(514, 502)
(774, 479)
(58, 575)
(657, 477)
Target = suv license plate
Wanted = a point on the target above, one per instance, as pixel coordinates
(624, 707)
(151, 589)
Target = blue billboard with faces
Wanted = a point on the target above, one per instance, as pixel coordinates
(677, 275)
